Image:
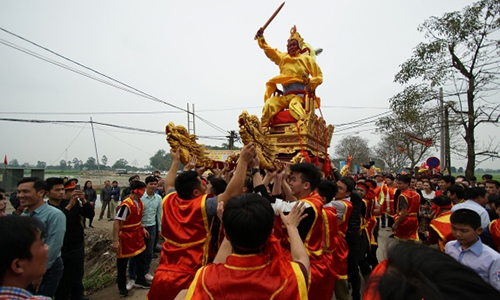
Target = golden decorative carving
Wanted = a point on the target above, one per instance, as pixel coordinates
(252, 131)
(178, 137)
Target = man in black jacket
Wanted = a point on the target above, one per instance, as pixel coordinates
(74, 206)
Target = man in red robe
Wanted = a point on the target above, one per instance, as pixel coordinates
(440, 227)
(302, 182)
(128, 240)
(405, 222)
(250, 261)
(187, 217)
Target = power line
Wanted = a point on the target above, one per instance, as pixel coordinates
(97, 72)
(64, 122)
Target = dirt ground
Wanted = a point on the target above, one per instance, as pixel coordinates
(99, 256)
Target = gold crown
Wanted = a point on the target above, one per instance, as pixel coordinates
(294, 35)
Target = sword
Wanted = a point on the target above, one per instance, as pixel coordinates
(271, 18)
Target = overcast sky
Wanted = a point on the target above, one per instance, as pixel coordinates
(197, 52)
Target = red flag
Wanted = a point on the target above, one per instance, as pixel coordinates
(5, 160)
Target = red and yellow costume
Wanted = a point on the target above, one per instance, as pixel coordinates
(342, 250)
(442, 226)
(371, 291)
(408, 228)
(369, 222)
(131, 232)
(390, 192)
(254, 276)
(185, 227)
(495, 232)
(329, 245)
(321, 275)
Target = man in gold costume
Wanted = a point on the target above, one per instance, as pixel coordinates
(299, 74)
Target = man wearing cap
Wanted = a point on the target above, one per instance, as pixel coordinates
(298, 73)
(74, 206)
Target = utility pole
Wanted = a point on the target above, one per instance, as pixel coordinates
(441, 119)
(231, 137)
(191, 117)
(96, 154)
(447, 139)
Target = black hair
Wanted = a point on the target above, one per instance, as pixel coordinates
(436, 176)
(390, 176)
(495, 182)
(17, 234)
(2, 190)
(309, 173)
(38, 183)
(114, 181)
(349, 183)
(466, 217)
(218, 185)
(85, 185)
(151, 179)
(448, 179)
(460, 176)
(156, 171)
(416, 272)
(248, 182)
(132, 178)
(494, 198)
(327, 189)
(248, 221)
(442, 200)
(473, 178)
(458, 190)
(186, 183)
(430, 184)
(487, 177)
(475, 192)
(50, 182)
(137, 185)
(404, 178)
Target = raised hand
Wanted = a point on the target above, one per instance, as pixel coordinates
(175, 154)
(295, 216)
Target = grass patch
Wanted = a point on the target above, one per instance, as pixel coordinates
(97, 280)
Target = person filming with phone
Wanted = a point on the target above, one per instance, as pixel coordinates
(74, 205)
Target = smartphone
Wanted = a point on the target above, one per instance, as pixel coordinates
(77, 187)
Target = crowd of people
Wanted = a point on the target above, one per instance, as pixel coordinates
(288, 234)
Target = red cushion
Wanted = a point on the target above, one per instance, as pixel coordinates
(282, 117)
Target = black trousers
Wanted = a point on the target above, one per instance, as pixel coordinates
(121, 264)
(353, 240)
(71, 286)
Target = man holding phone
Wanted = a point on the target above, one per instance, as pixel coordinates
(74, 205)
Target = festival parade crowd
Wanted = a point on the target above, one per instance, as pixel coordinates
(255, 234)
(249, 233)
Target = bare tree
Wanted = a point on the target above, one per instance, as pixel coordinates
(462, 55)
(355, 146)
(412, 115)
(391, 153)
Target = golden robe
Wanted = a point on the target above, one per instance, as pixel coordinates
(293, 69)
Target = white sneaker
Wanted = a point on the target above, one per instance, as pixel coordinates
(149, 277)
(130, 284)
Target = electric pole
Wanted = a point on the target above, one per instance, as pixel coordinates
(447, 139)
(441, 119)
(231, 137)
(191, 116)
